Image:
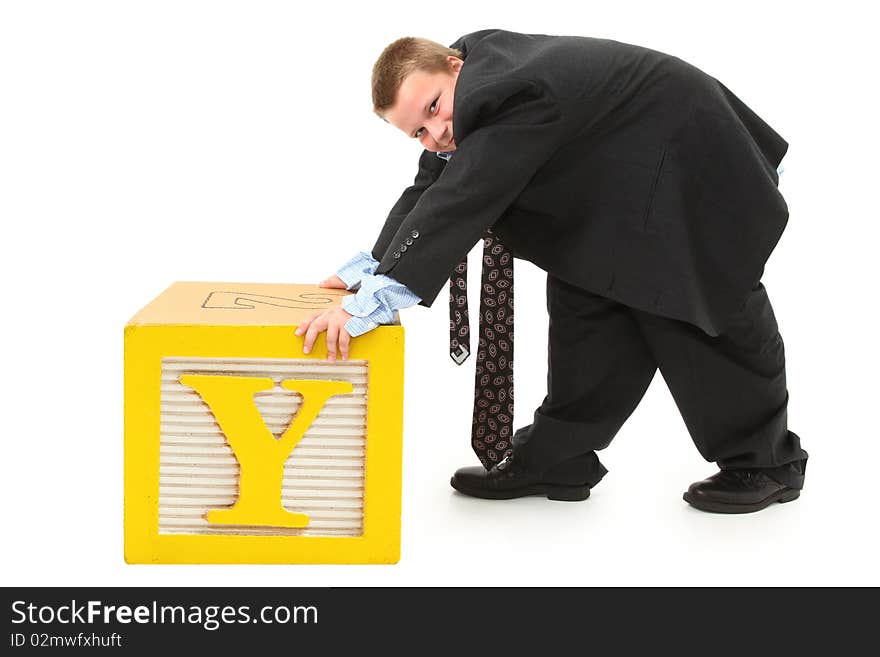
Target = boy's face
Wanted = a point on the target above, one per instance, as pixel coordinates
(423, 109)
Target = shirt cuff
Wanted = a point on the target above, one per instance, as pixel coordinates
(359, 325)
(376, 303)
(356, 269)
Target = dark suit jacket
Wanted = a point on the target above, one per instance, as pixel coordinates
(619, 169)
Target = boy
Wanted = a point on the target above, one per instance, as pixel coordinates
(648, 192)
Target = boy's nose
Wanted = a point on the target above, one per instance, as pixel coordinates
(436, 131)
(439, 133)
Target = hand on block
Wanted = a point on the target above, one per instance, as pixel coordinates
(333, 281)
(333, 321)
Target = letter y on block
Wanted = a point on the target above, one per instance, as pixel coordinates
(260, 455)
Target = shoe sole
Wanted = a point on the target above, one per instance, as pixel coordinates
(553, 492)
(720, 507)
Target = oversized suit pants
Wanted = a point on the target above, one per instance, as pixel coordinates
(730, 389)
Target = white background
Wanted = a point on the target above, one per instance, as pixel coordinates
(145, 143)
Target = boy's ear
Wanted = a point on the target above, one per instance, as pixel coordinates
(454, 62)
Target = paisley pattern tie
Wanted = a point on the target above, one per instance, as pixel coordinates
(492, 425)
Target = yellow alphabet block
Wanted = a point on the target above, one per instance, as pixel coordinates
(239, 448)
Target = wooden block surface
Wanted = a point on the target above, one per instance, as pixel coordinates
(267, 304)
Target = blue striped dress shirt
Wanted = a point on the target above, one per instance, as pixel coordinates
(378, 296)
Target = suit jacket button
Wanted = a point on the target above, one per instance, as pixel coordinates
(402, 248)
(395, 255)
(415, 233)
(409, 240)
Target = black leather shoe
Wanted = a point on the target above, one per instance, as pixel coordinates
(738, 491)
(510, 479)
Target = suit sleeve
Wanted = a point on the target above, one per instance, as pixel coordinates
(430, 168)
(512, 128)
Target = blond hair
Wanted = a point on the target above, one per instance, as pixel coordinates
(401, 58)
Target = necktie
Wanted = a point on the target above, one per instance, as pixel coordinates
(491, 428)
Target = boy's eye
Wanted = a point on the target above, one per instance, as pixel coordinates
(431, 109)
